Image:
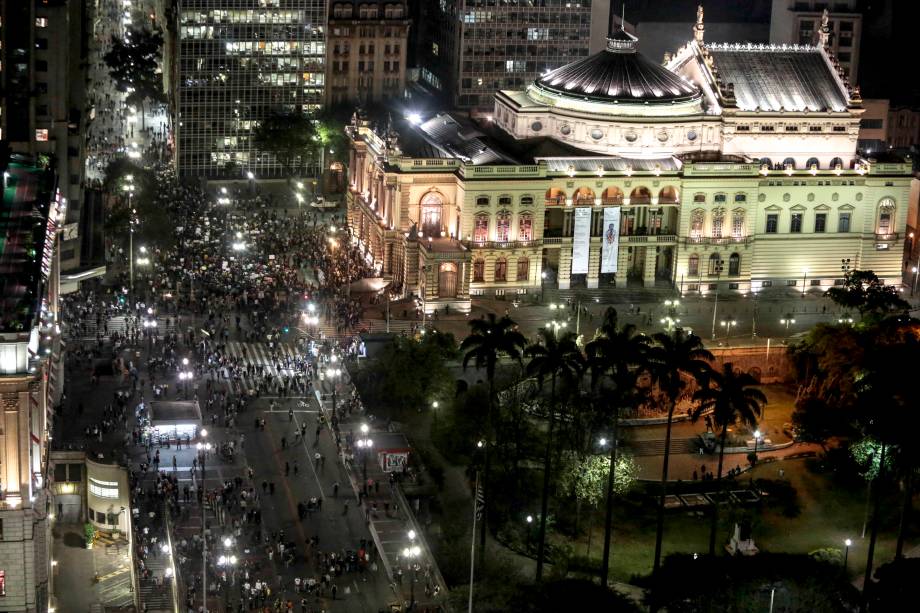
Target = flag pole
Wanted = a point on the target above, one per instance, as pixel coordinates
(473, 541)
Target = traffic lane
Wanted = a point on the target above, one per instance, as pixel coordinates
(345, 528)
(335, 530)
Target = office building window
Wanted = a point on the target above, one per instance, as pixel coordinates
(103, 489)
(772, 223)
(795, 223)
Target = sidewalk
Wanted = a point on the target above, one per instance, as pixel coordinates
(682, 465)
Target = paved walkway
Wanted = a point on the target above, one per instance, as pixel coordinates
(682, 465)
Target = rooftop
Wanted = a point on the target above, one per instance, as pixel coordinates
(779, 77)
(618, 74)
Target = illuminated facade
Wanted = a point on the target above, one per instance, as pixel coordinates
(366, 51)
(733, 166)
(31, 374)
(237, 62)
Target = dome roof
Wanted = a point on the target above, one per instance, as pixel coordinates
(618, 74)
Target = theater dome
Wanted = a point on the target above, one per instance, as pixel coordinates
(617, 75)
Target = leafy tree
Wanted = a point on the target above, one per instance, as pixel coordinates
(133, 64)
(674, 361)
(586, 477)
(384, 383)
(863, 291)
(732, 397)
(552, 358)
(895, 585)
(817, 421)
(616, 358)
(489, 339)
(289, 136)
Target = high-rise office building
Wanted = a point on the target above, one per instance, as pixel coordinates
(366, 51)
(42, 71)
(799, 22)
(468, 49)
(238, 61)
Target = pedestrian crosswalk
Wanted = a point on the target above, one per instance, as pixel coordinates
(280, 360)
(87, 329)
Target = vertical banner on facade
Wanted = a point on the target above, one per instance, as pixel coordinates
(581, 241)
(610, 244)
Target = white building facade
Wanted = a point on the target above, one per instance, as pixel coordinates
(731, 167)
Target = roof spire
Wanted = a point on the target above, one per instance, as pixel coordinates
(824, 34)
(699, 28)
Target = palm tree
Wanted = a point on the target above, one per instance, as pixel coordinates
(732, 398)
(675, 360)
(553, 357)
(489, 339)
(616, 359)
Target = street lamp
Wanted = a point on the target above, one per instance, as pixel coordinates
(846, 552)
(334, 374)
(434, 410)
(728, 324)
(203, 449)
(757, 436)
(365, 443)
(804, 279)
(846, 319)
(717, 267)
(412, 553)
(556, 326)
(787, 321)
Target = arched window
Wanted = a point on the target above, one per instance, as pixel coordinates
(885, 215)
(718, 220)
(584, 196)
(693, 265)
(482, 201)
(479, 270)
(715, 265)
(836, 163)
(525, 229)
(737, 223)
(501, 269)
(668, 195)
(503, 227)
(789, 163)
(431, 206)
(612, 196)
(555, 197)
(812, 163)
(523, 269)
(734, 265)
(481, 228)
(640, 195)
(766, 163)
(696, 223)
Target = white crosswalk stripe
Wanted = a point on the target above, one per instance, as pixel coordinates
(259, 354)
(86, 329)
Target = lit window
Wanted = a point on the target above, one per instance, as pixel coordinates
(481, 229)
(41, 135)
(103, 489)
(41, 22)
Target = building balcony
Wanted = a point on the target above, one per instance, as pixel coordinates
(654, 238)
(887, 237)
(503, 244)
(711, 240)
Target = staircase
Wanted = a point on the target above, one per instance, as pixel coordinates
(157, 597)
(656, 447)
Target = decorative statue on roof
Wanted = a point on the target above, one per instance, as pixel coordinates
(699, 28)
(824, 34)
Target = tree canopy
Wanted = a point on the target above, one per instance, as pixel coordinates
(290, 136)
(863, 291)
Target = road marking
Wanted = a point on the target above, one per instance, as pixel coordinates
(285, 411)
(309, 460)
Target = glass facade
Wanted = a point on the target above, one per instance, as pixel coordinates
(500, 44)
(239, 60)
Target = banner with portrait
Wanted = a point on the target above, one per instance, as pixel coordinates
(610, 239)
(581, 241)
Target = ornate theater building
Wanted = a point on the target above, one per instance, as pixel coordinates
(729, 166)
